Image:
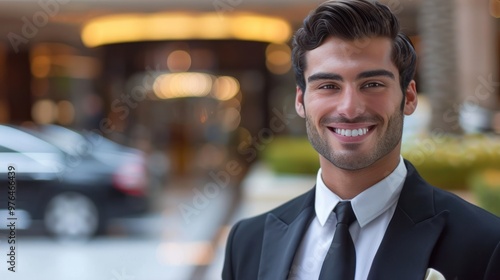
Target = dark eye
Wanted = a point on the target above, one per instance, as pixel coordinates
(328, 87)
(373, 85)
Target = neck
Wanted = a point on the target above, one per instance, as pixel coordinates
(349, 183)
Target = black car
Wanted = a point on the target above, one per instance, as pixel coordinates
(75, 183)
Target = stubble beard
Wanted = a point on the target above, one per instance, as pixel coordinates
(345, 159)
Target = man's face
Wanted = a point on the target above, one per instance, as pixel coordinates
(352, 102)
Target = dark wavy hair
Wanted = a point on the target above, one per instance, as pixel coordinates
(353, 20)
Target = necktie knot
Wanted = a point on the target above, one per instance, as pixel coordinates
(345, 214)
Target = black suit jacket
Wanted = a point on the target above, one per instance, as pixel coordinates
(430, 228)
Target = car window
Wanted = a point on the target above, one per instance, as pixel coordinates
(20, 141)
(6, 150)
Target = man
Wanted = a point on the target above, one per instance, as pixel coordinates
(354, 72)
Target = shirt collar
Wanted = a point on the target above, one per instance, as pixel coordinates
(367, 205)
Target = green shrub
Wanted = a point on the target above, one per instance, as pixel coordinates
(486, 187)
(291, 155)
(448, 162)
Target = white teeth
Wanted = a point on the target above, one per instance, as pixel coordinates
(351, 132)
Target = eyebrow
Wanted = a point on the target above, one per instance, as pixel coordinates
(324, 76)
(375, 73)
(362, 75)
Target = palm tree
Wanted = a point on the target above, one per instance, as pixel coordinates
(438, 65)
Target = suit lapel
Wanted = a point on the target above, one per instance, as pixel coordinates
(282, 235)
(412, 233)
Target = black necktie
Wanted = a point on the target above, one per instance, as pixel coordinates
(340, 261)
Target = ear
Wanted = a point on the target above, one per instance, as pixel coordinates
(299, 102)
(411, 99)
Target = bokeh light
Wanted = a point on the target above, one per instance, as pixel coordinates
(179, 61)
(66, 112)
(178, 85)
(44, 111)
(40, 66)
(231, 119)
(226, 87)
(278, 58)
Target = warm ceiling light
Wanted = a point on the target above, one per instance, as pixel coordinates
(259, 28)
(182, 26)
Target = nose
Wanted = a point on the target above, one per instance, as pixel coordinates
(351, 103)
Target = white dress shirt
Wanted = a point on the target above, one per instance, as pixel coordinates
(373, 207)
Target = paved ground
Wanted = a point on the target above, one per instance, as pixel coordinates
(162, 245)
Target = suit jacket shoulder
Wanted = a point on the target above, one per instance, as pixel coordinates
(471, 239)
(248, 236)
(287, 212)
(434, 228)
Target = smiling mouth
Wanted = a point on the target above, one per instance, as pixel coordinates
(350, 132)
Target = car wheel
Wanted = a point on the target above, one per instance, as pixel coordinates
(71, 215)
